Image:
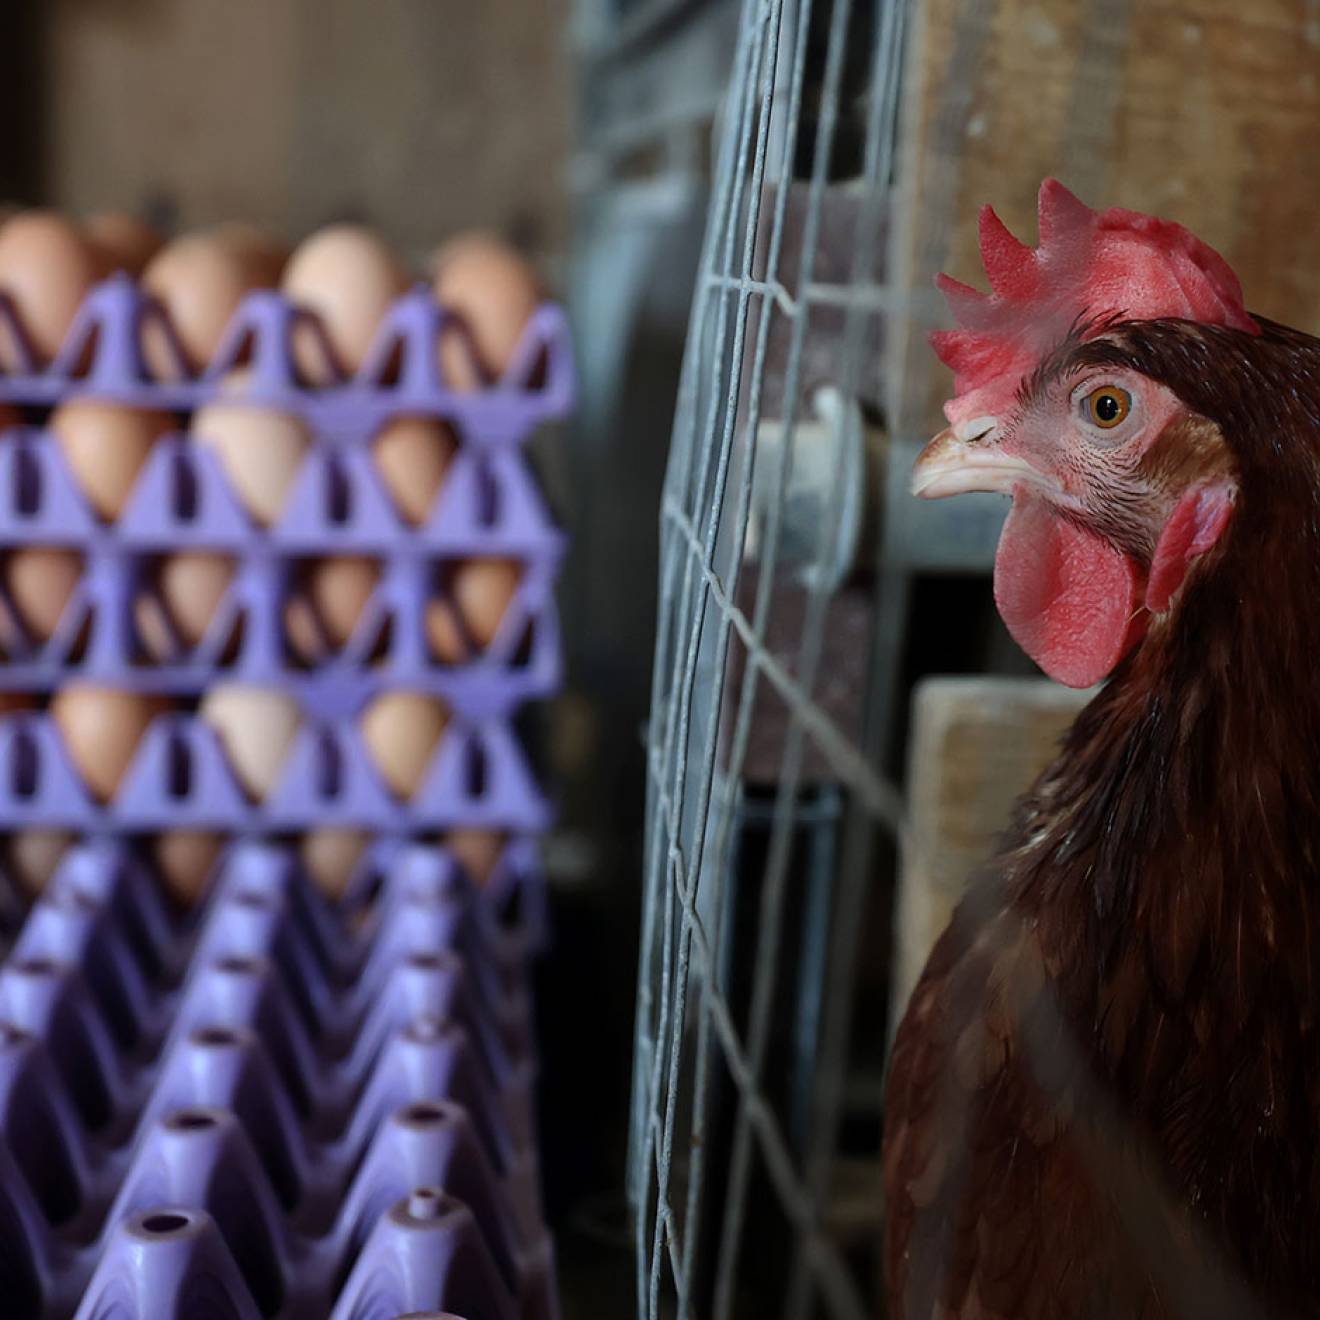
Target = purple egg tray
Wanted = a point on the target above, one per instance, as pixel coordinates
(102, 358)
(489, 506)
(180, 779)
(274, 1106)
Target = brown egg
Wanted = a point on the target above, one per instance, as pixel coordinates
(39, 583)
(192, 584)
(444, 633)
(264, 254)
(200, 280)
(495, 291)
(153, 630)
(104, 447)
(32, 857)
(348, 276)
(184, 860)
(123, 241)
(481, 590)
(260, 449)
(256, 727)
(476, 851)
(331, 856)
(413, 455)
(101, 729)
(339, 590)
(401, 731)
(300, 630)
(335, 591)
(47, 268)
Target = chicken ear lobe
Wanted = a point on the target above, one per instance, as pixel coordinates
(1067, 595)
(1195, 525)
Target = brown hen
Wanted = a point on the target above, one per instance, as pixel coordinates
(1105, 1095)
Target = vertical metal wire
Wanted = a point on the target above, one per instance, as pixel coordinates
(769, 18)
(773, 893)
(856, 862)
(665, 827)
(693, 806)
(727, 806)
(673, 556)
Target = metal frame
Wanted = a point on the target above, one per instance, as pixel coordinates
(686, 1025)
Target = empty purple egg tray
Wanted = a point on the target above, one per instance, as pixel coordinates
(274, 1105)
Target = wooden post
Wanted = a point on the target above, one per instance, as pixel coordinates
(977, 744)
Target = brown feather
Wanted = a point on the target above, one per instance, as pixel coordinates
(1102, 1101)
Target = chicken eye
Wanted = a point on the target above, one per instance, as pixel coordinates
(1107, 406)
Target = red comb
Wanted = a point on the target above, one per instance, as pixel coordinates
(1089, 265)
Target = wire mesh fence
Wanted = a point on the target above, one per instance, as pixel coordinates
(788, 550)
(754, 1170)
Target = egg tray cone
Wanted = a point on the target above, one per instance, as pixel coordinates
(273, 1107)
(489, 507)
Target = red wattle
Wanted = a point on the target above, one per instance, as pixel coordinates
(1068, 597)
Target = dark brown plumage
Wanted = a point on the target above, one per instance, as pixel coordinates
(1104, 1100)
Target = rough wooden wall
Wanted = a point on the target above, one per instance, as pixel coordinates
(1204, 111)
(424, 116)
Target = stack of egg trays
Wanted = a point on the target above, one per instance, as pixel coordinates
(359, 1081)
(265, 1109)
(488, 506)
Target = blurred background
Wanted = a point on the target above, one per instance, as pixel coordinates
(596, 135)
(424, 119)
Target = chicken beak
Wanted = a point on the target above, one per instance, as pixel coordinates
(965, 458)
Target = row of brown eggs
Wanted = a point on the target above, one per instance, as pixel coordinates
(184, 859)
(347, 274)
(101, 729)
(260, 450)
(332, 593)
(105, 446)
(335, 592)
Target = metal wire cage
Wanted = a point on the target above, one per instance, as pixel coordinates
(754, 1158)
